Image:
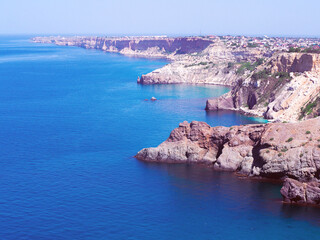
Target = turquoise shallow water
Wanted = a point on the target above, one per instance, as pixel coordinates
(71, 120)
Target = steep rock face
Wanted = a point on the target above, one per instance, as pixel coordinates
(274, 150)
(224, 102)
(211, 66)
(144, 46)
(294, 191)
(190, 73)
(295, 62)
(282, 88)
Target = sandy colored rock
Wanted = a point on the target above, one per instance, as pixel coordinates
(280, 89)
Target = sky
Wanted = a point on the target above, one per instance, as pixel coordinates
(169, 17)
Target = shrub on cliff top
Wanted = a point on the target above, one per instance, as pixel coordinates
(245, 66)
(252, 45)
(289, 139)
(230, 64)
(292, 49)
(313, 49)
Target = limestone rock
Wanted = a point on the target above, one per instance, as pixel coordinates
(222, 103)
(279, 89)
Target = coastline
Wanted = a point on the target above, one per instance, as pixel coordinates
(274, 150)
(247, 166)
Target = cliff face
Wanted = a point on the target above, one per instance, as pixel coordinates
(274, 150)
(295, 62)
(211, 66)
(140, 46)
(294, 191)
(201, 72)
(285, 88)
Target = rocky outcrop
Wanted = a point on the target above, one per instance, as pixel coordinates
(287, 151)
(274, 150)
(224, 102)
(294, 191)
(284, 88)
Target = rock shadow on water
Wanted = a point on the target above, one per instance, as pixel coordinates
(237, 193)
(230, 118)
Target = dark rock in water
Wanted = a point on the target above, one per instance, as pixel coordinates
(294, 191)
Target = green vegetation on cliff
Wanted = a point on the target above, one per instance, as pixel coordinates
(248, 66)
(309, 108)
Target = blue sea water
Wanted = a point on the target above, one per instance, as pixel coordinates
(71, 121)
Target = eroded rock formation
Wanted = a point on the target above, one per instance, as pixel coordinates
(294, 191)
(284, 88)
(289, 151)
(274, 150)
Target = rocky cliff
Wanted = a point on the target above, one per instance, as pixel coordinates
(137, 46)
(217, 64)
(273, 150)
(286, 88)
(294, 191)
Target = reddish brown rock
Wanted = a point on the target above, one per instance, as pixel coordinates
(273, 150)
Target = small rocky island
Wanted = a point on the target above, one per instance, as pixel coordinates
(274, 78)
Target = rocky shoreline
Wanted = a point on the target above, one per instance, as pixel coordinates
(280, 86)
(273, 150)
(276, 85)
(193, 60)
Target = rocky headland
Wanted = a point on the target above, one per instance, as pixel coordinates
(273, 150)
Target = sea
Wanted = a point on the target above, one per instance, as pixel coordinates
(71, 121)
